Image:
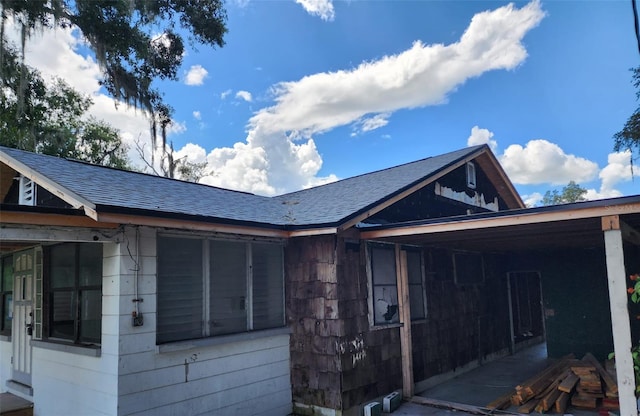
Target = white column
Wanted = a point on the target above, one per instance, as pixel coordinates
(618, 299)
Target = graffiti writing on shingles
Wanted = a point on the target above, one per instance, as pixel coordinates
(354, 347)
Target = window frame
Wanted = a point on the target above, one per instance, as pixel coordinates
(48, 292)
(208, 288)
(373, 322)
(422, 284)
(471, 175)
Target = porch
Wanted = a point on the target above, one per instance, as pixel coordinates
(471, 391)
(12, 405)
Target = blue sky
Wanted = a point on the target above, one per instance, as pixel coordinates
(309, 91)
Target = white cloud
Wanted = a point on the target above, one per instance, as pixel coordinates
(196, 75)
(279, 153)
(372, 123)
(420, 76)
(533, 199)
(197, 115)
(618, 170)
(541, 161)
(194, 153)
(225, 94)
(320, 8)
(482, 136)
(244, 95)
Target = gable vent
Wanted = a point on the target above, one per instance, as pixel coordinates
(27, 191)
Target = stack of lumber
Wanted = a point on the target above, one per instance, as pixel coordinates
(581, 383)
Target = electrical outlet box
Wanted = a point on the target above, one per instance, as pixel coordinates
(391, 402)
(137, 319)
(373, 409)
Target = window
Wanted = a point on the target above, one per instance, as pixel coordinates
(416, 284)
(471, 175)
(73, 289)
(6, 294)
(384, 287)
(217, 287)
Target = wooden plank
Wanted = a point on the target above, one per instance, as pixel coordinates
(549, 400)
(451, 405)
(538, 383)
(582, 401)
(561, 403)
(405, 315)
(528, 407)
(611, 384)
(569, 383)
(501, 402)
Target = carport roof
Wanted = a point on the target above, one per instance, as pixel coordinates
(578, 224)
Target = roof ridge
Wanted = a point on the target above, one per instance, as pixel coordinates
(470, 149)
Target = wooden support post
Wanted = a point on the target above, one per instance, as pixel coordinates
(616, 277)
(402, 280)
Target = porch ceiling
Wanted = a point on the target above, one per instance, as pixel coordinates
(568, 233)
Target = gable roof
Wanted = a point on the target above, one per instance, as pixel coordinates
(100, 190)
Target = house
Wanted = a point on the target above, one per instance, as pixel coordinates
(124, 293)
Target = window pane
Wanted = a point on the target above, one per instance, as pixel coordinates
(383, 265)
(90, 261)
(385, 304)
(414, 267)
(228, 287)
(6, 285)
(90, 315)
(63, 314)
(7, 312)
(268, 281)
(63, 258)
(180, 299)
(416, 297)
(416, 290)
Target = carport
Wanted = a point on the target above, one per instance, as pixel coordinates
(583, 252)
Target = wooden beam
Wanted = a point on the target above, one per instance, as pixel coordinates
(37, 218)
(404, 306)
(521, 218)
(192, 225)
(616, 277)
(50, 234)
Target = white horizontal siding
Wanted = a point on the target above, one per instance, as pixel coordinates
(240, 378)
(264, 398)
(70, 384)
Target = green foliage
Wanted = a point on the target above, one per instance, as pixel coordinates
(629, 137)
(123, 34)
(51, 119)
(570, 193)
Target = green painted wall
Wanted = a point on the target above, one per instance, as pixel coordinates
(576, 302)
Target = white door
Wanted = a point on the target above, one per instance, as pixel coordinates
(22, 329)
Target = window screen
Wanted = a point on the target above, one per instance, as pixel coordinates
(180, 289)
(385, 289)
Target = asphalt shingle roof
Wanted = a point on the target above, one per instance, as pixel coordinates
(112, 189)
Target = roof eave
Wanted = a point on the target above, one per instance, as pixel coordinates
(73, 199)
